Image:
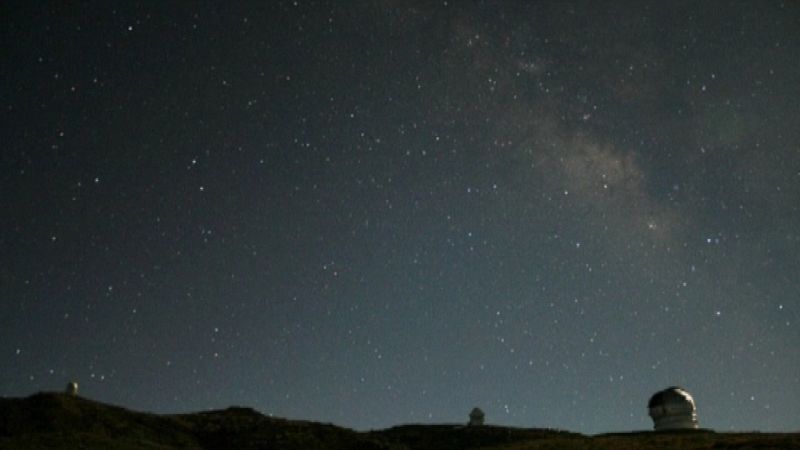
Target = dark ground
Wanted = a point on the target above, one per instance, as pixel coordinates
(50, 420)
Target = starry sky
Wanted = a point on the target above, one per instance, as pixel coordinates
(392, 211)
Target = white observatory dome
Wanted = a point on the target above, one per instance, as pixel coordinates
(72, 388)
(672, 409)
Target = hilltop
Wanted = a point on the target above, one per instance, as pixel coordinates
(51, 420)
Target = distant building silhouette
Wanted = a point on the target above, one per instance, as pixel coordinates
(72, 388)
(476, 417)
(672, 409)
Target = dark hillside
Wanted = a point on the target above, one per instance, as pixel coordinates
(51, 420)
(244, 428)
(60, 421)
(457, 437)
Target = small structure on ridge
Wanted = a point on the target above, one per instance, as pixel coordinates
(72, 388)
(476, 417)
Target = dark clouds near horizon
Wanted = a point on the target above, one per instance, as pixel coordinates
(390, 212)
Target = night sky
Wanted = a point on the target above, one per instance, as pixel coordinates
(392, 211)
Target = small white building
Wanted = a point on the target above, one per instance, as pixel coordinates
(72, 388)
(673, 409)
(476, 417)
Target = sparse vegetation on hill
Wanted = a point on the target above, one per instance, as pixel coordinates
(60, 421)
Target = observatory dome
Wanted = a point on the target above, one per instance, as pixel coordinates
(672, 409)
(476, 417)
(72, 388)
